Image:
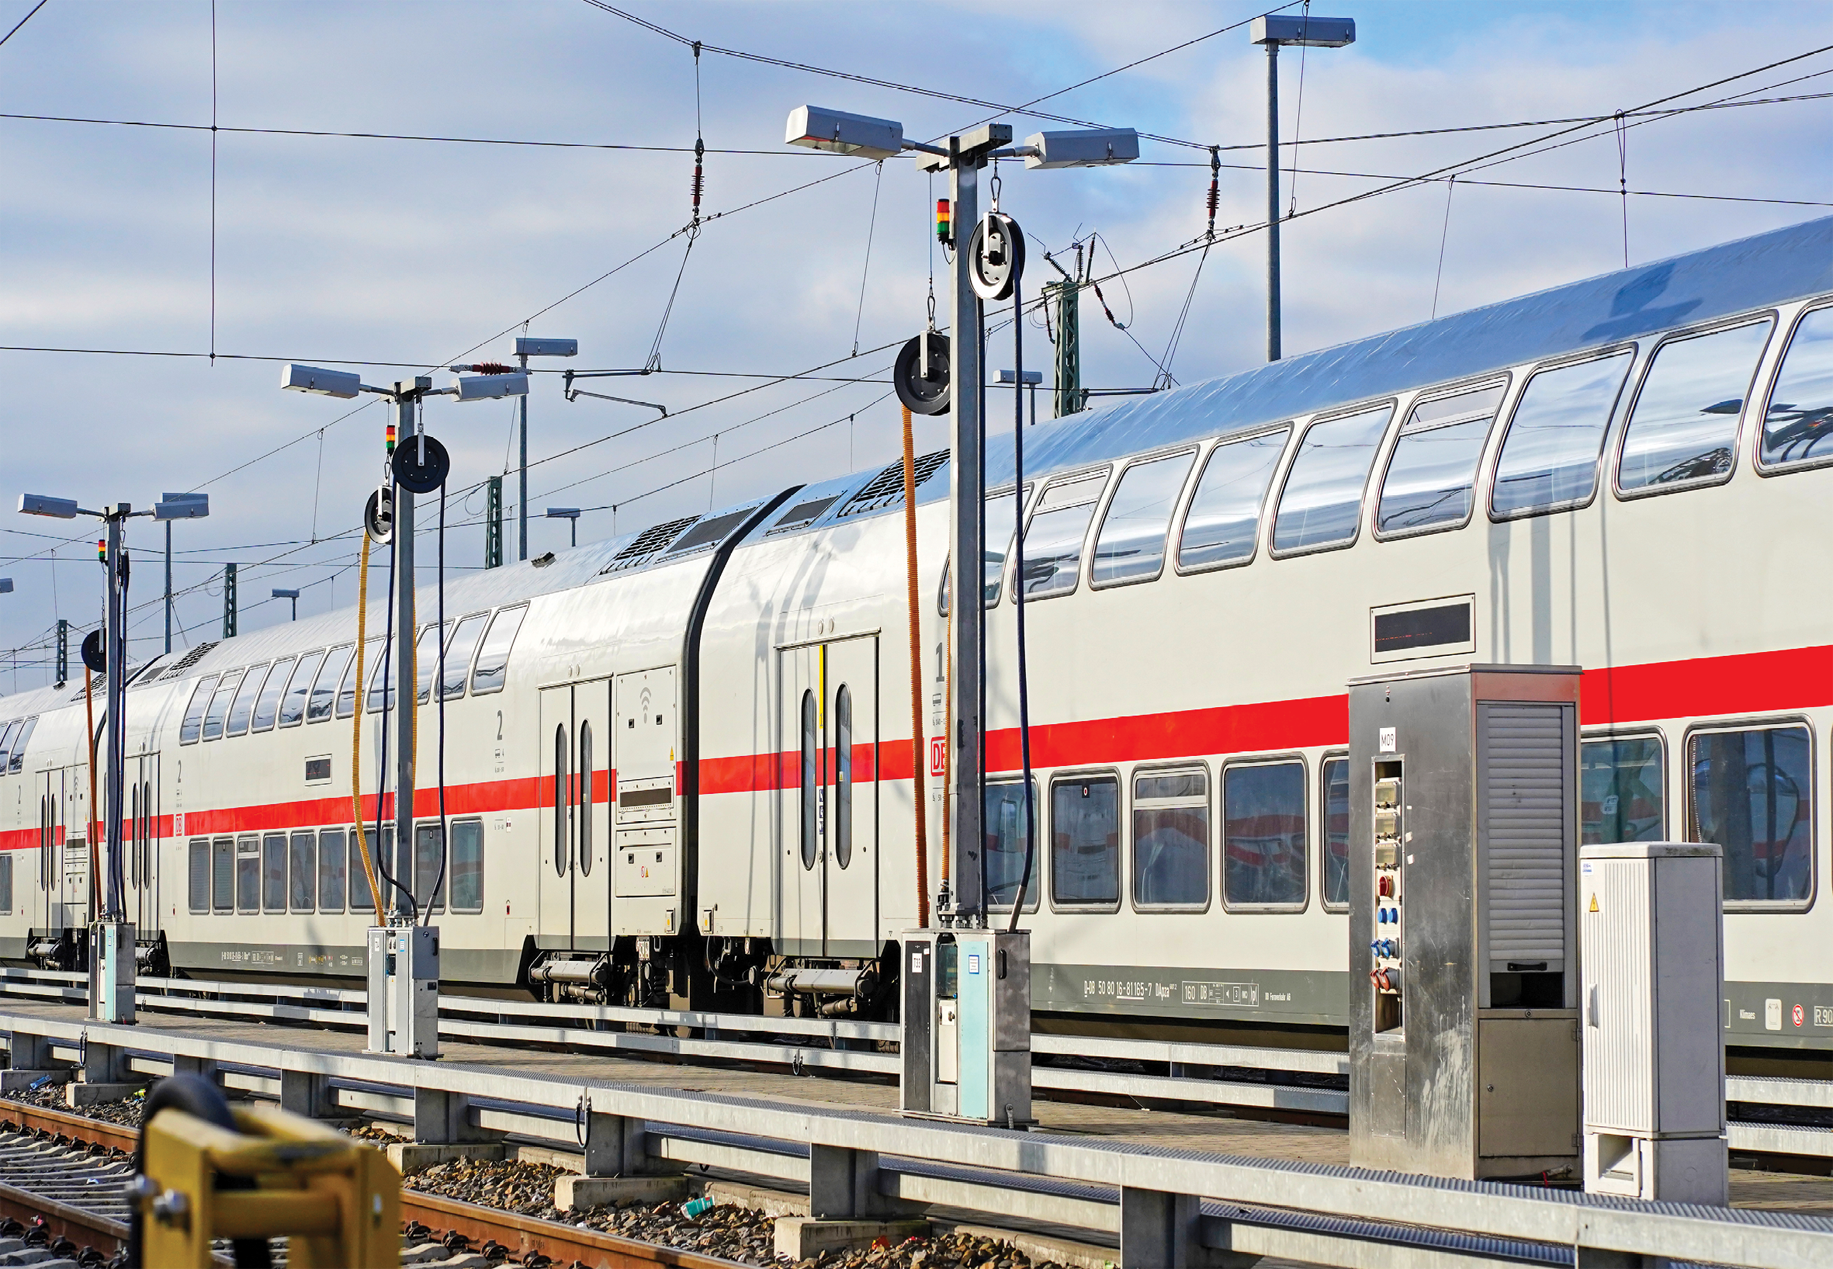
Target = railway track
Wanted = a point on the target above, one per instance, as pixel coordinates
(63, 1180)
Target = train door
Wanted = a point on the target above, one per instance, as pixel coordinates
(592, 814)
(68, 874)
(50, 824)
(143, 840)
(559, 794)
(828, 821)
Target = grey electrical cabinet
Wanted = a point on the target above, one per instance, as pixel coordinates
(1463, 829)
(1652, 940)
(967, 1025)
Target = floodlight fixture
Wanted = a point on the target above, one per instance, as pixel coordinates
(181, 506)
(316, 379)
(292, 593)
(528, 347)
(838, 132)
(1303, 30)
(571, 516)
(1027, 377)
(491, 387)
(1084, 147)
(56, 508)
(6, 585)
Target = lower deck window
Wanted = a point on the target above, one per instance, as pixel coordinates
(1263, 835)
(1336, 833)
(199, 873)
(1005, 845)
(302, 871)
(273, 872)
(331, 870)
(222, 874)
(468, 866)
(429, 881)
(1752, 793)
(1171, 839)
(1620, 794)
(248, 874)
(1085, 840)
(362, 899)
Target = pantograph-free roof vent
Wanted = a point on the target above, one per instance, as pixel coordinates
(647, 544)
(887, 488)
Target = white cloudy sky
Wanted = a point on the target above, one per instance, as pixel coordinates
(414, 252)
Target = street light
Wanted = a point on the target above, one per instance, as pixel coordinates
(111, 945)
(962, 157)
(1272, 31)
(281, 592)
(570, 515)
(526, 346)
(1026, 379)
(170, 507)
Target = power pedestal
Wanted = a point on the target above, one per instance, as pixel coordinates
(404, 990)
(967, 1026)
(1463, 955)
(111, 972)
(1653, 947)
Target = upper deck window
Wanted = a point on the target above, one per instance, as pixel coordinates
(1321, 504)
(219, 704)
(493, 656)
(1434, 466)
(1550, 453)
(244, 706)
(192, 727)
(1800, 414)
(267, 705)
(996, 546)
(15, 761)
(1684, 428)
(426, 660)
(1131, 544)
(1224, 517)
(459, 653)
(1055, 533)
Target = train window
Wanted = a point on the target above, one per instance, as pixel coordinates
(6, 883)
(392, 880)
(219, 704)
(560, 799)
(1433, 469)
(1321, 504)
(299, 690)
(1620, 790)
(1171, 839)
(267, 704)
(323, 698)
(1085, 840)
(1055, 533)
(586, 778)
(7, 732)
(493, 656)
(809, 816)
(468, 866)
(379, 694)
(198, 874)
(248, 874)
(331, 872)
(242, 709)
(996, 546)
(1800, 413)
(429, 867)
(1004, 825)
(459, 651)
(356, 885)
(302, 871)
(15, 761)
(1550, 452)
(346, 692)
(843, 776)
(1131, 544)
(1336, 834)
(222, 874)
(1683, 429)
(193, 725)
(273, 872)
(426, 661)
(1753, 793)
(1263, 835)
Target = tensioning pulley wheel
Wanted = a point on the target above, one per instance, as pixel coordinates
(379, 516)
(923, 388)
(417, 473)
(93, 656)
(995, 256)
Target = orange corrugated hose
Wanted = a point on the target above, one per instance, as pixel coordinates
(919, 765)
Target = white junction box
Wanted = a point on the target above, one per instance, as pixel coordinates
(404, 990)
(1652, 949)
(111, 971)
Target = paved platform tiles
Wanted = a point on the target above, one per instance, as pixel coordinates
(1215, 1132)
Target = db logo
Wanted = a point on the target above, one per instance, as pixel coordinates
(938, 755)
(1797, 1015)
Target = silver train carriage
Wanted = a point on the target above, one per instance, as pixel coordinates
(679, 765)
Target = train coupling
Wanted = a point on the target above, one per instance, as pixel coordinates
(63, 949)
(831, 992)
(586, 979)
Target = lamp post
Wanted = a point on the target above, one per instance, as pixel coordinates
(1272, 31)
(184, 506)
(570, 515)
(1025, 379)
(281, 592)
(111, 947)
(403, 958)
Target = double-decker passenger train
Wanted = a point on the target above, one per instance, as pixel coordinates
(680, 764)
